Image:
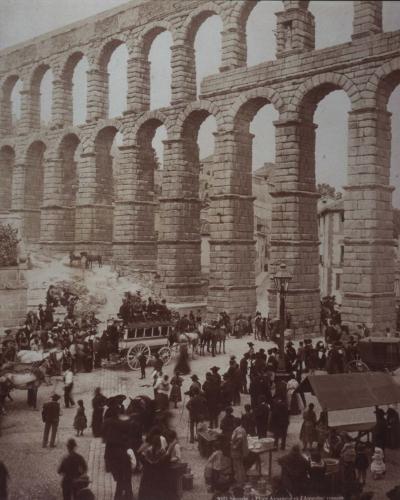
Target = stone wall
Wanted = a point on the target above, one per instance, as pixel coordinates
(13, 297)
(367, 69)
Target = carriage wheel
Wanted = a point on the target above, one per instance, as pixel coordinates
(165, 354)
(132, 357)
(357, 366)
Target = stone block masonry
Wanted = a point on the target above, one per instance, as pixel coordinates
(13, 297)
(61, 181)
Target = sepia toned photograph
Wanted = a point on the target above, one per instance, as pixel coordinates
(199, 250)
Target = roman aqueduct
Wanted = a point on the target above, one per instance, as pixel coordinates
(38, 167)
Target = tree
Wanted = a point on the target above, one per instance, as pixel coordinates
(328, 191)
(8, 245)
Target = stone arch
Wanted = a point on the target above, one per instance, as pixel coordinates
(70, 131)
(69, 183)
(106, 52)
(313, 90)
(150, 117)
(35, 82)
(70, 63)
(7, 87)
(7, 162)
(197, 18)
(149, 34)
(382, 83)
(105, 124)
(240, 13)
(103, 142)
(255, 98)
(39, 138)
(199, 108)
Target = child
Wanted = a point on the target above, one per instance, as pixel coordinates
(378, 467)
(80, 420)
(361, 463)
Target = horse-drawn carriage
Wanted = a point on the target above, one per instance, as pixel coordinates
(376, 354)
(146, 338)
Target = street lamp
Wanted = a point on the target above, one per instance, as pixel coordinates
(281, 281)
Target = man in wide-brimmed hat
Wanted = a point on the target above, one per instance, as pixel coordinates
(51, 417)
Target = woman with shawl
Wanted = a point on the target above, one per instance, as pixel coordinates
(292, 396)
(154, 481)
(98, 403)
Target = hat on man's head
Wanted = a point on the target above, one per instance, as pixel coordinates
(250, 344)
(194, 377)
(215, 368)
(55, 397)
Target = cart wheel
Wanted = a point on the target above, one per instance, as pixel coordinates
(133, 354)
(165, 354)
(357, 366)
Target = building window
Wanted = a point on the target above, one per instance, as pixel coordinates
(341, 254)
(338, 277)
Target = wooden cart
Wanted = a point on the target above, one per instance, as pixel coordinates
(377, 354)
(146, 338)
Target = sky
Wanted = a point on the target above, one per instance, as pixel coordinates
(21, 20)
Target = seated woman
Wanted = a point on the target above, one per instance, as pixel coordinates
(218, 469)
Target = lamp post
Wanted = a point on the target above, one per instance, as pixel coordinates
(281, 281)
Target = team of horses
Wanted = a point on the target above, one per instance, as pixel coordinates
(204, 339)
(85, 258)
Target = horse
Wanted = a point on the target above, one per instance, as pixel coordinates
(206, 337)
(91, 258)
(192, 338)
(73, 257)
(210, 336)
(220, 335)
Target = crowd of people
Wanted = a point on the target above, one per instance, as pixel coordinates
(150, 444)
(135, 309)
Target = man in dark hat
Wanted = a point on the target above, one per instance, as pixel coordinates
(212, 393)
(197, 407)
(51, 418)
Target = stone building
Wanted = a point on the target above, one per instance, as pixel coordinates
(58, 179)
(331, 218)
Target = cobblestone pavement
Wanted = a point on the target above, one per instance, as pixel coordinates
(33, 469)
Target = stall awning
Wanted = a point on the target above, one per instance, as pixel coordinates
(352, 390)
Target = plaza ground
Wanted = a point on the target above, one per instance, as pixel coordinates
(33, 470)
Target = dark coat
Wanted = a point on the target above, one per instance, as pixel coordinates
(279, 422)
(51, 412)
(295, 470)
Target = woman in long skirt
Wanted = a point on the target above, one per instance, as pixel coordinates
(176, 393)
(98, 403)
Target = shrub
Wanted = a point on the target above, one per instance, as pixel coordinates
(8, 245)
